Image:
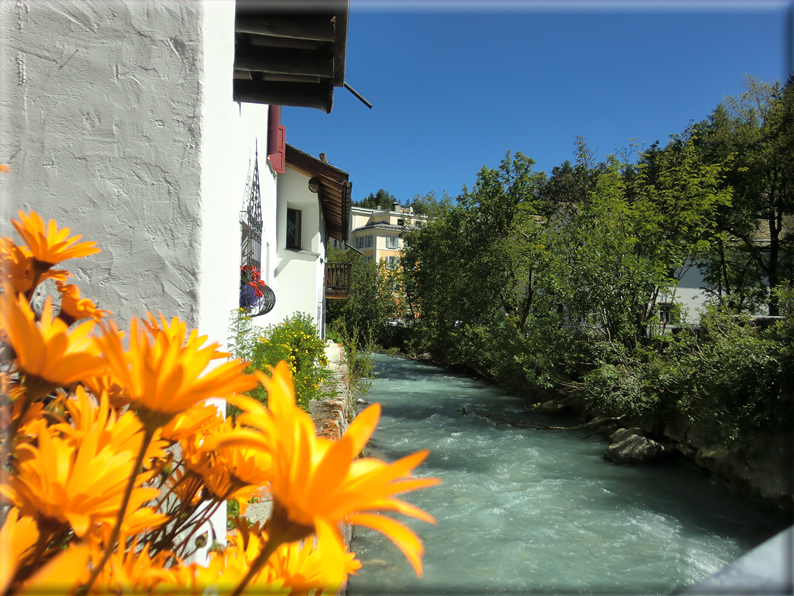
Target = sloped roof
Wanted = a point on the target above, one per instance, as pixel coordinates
(335, 189)
(290, 53)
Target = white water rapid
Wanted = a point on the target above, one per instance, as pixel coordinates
(524, 510)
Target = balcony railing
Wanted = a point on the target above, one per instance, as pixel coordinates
(338, 279)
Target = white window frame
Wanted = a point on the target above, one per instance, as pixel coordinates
(392, 242)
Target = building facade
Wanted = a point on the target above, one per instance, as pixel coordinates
(376, 232)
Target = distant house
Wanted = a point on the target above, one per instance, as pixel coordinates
(376, 232)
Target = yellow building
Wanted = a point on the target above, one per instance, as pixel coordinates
(376, 233)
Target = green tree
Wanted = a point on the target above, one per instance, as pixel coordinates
(379, 200)
(427, 204)
(469, 266)
(370, 304)
(756, 131)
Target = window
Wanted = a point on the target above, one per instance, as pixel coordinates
(400, 222)
(367, 259)
(391, 262)
(360, 242)
(392, 242)
(369, 241)
(669, 313)
(293, 228)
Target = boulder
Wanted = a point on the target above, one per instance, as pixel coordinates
(635, 449)
(604, 425)
(623, 433)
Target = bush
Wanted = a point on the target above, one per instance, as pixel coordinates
(730, 379)
(294, 340)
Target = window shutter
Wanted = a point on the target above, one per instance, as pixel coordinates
(276, 138)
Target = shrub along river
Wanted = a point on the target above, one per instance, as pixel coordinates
(525, 510)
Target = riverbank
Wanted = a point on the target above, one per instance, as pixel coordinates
(761, 468)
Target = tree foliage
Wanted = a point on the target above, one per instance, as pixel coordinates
(370, 304)
(379, 200)
(552, 283)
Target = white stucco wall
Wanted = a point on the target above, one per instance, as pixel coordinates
(117, 122)
(298, 275)
(690, 294)
(118, 132)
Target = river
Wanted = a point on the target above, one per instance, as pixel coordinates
(525, 510)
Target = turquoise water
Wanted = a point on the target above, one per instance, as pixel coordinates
(524, 510)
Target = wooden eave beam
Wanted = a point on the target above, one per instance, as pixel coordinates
(302, 95)
(281, 42)
(316, 28)
(327, 184)
(266, 76)
(310, 166)
(319, 63)
(333, 221)
(340, 44)
(334, 191)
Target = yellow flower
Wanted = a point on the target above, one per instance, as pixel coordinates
(316, 481)
(323, 566)
(17, 538)
(59, 483)
(165, 372)
(191, 421)
(61, 574)
(13, 403)
(124, 432)
(48, 351)
(187, 486)
(106, 383)
(226, 569)
(49, 245)
(136, 571)
(228, 472)
(74, 308)
(18, 270)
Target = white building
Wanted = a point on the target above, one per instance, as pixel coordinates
(134, 124)
(313, 205)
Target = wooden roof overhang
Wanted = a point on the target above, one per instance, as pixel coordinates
(333, 187)
(290, 53)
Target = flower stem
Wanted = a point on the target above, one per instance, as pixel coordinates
(198, 524)
(148, 433)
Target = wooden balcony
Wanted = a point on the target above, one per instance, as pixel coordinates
(338, 279)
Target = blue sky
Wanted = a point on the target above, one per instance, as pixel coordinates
(455, 85)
